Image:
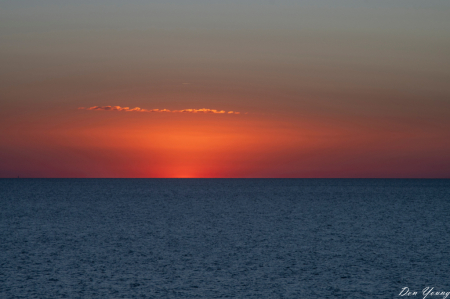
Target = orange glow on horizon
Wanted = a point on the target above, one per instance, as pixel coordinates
(203, 145)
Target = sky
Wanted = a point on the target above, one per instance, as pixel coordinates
(225, 89)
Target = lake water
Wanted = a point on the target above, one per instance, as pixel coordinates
(223, 238)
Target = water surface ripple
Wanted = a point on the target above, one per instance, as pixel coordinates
(222, 238)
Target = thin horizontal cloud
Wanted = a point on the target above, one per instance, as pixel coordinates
(137, 109)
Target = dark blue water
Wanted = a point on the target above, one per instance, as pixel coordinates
(235, 238)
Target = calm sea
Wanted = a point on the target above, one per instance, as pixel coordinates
(223, 238)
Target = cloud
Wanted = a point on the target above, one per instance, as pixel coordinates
(137, 109)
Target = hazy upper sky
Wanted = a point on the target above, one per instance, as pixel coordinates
(323, 88)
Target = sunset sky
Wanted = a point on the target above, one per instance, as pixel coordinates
(246, 89)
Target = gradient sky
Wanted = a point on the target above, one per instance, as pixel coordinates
(323, 88)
